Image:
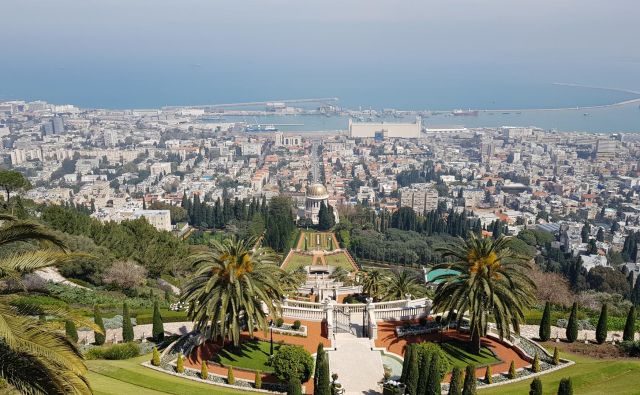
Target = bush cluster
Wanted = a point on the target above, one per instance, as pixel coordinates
(114, 352)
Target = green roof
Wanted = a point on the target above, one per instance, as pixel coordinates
(436, 273)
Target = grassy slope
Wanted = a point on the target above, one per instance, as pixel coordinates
(129, 377)
(589, 376)
(460, 357)
(250, 355)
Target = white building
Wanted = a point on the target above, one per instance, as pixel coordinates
(316, 195)
(420, 197)
(385, 130)
(160, 168)
(159, 219)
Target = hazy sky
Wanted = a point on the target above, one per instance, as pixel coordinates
(186, 51)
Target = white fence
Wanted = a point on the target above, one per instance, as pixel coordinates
(302, 313)
(402, 313)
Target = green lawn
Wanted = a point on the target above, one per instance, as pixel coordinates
(589, 376)
(297, 260)
(252, 355)
(129, 377)
(339, 260)
(460, 357)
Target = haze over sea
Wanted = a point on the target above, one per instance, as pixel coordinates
(414, 54)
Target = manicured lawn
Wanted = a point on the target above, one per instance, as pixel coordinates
(252, 355)
(312, 240)
(339, 260)
(129, 377)
(460, 357)
(589, 376)
(296, 261)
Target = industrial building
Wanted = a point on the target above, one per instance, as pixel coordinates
(383, 130)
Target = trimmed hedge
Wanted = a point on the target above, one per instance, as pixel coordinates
(114, 352)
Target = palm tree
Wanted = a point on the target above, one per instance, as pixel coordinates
(291, 280)
(233, 284)
(340, 274)
(34, 357)
(400, 284)
(372, 283)
(488, 279)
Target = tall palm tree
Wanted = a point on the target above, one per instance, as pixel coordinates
(233, 284)
(400, 284)
(488, 280)
(372, 283)
(292, 280)
(34, 357)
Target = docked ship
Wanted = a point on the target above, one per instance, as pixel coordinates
(460, 113)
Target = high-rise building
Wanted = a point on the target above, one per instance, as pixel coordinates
(420, 197)
(58, 125)
(605, 149)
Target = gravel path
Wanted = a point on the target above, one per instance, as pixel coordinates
(531, 332)
(139, 332)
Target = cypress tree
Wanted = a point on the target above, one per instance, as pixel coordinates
(180, 364)
(635, 293)
(556, 356)
(601, 329)
(536, 387)
(572, 325)
(535, 365)
(545, 323)
(158, 326)
(512, 371)
(406, 364)
(257, 382)
(97, 318)
(294, 388)
(204, 371)
(127, 328)
(324, 380)
(488, 375)
(630, 325)
(230, 378)
(433, 385)
(423, 376)
(413, 374)
(316, 371)
(155, 357)
(455, 385)
(565, 387)
(469, 387)
(71, 331)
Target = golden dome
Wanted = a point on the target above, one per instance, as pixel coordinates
(317, 190)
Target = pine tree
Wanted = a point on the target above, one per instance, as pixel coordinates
(630, 325)
(601, 329)
(295, 387)
(535, 365)
(230, 378)
(512, 370)
(413, 374)
(455, 385)
(556, 356)
(536, 387)
(127, 327)
(204, 371)
(565, 387)
(97, 318)
(155, 357)
(158, 327)
(180, 364)
(572, 325)
(469, 386)
(257, 382)
(488, 375)
(545, 323)
(71, 331)
(406, 364)
(433, 385)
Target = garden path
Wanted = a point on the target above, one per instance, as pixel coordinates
(359, 368)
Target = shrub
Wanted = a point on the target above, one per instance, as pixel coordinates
(158, 327)
(572, 325)
(545, 324)
(230, 378)
(469, 387)
(413, 375)
(455, 385)
(204, 371)
(422, 321)
(295, 387)
(535, 365)
(99, 338)
(114, 352)
(423, 375)
(296, 324)
(155, 359)
(292, 362)
(629, 325)
(180, 364)
(433, 385)
(565, 387)
(405, 364)
(536, 387)
(556, 356)
(71, 331)
(601, 328)
(258, 380)
(428, 349)
(279, 322)
(127, 328)
(512, 371)
(488, 375)
(631, 348)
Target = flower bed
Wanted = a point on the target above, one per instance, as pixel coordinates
(289, 329)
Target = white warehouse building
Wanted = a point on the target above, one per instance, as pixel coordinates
(385, 129)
